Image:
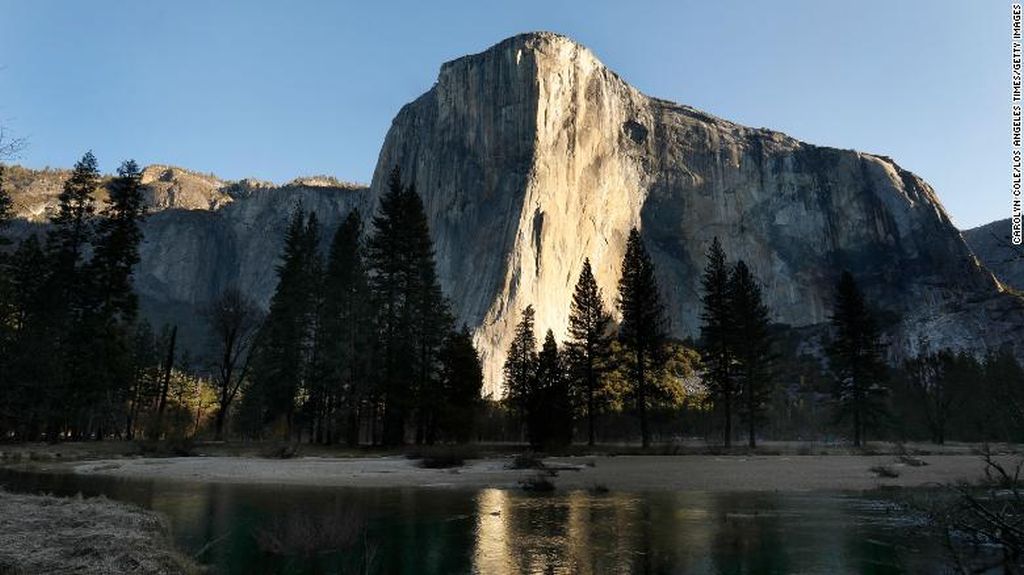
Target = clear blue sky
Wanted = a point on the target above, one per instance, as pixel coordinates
(274, 90)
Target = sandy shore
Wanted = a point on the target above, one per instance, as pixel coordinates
(633, 473)
(41, 534)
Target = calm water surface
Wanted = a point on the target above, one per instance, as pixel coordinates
(286, 529)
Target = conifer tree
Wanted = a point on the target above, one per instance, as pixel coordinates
(73, 381)
(282, 352)
(588, 351)
(643, 328)
(346, 333)
(117, 245)
(716, 326)
(520, 368)
(462, 377)
(856, 360)
(551, 406)
(750, 344)
(413, 316)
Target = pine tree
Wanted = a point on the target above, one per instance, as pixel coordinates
(73, 380)
(588, 351)
(855, 356)
(117, 245)
(716, 351)
(551, 406)
(413, 316)
(283, 344)
(114, 305)
(346, 333)
(644, 325)
(7, 307)
(750, 344)
(520, 368)
(462, 377)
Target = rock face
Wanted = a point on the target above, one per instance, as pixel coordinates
(991, 243)
(532, 156)
(202, 234)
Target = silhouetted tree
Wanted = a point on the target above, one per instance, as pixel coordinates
(234, 322)
(716, 327)
(644, 325)
(588, 351)
(413, 317)
(462, 378)
(751, 346)
(520, 368)
(855, 358)
(551, 406)
(281, 354)
(346, 334)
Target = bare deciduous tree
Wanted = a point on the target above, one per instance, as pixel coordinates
(234, 321)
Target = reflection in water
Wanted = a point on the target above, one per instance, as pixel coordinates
(276, 529)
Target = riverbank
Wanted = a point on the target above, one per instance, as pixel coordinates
(43, 534)
(712, 473)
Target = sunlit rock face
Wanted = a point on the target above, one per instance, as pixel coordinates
(532, 156)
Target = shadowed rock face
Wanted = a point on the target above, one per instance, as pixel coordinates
(991, 243)
(532, 156)
(202, 234)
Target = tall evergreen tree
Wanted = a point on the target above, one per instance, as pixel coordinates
(644, 325)
(462, 377)
(751, 346)
(551, 406)
(716, 326)
(114, 305)
(856, 358)
(346, 334)
(72, 378)
(282, 351)
(520, 368)
(413, 316)
(117, 245)
(588, 351)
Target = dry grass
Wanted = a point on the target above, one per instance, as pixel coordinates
(43, 534)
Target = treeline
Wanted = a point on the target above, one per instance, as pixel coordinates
(359, 344)
(75, 361)
(744, 369)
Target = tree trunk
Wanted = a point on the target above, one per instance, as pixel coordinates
(645, 439)
(728, 418)
(591, 384)
(856, 427)
(166, 383)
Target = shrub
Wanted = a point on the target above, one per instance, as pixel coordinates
(885, 471)
(445, 456)
(526, 460)
(539, 483)
(280, 451)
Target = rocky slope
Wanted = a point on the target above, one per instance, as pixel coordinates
(533, 155)
(991, 243)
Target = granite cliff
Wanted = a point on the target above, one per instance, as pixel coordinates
(532, 156)
(991, 243)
